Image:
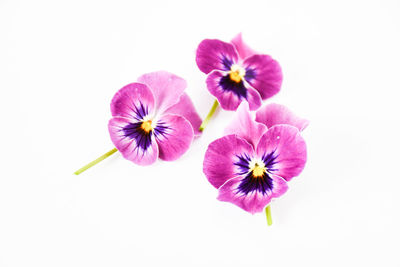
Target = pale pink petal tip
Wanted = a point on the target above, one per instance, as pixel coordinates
(241, 47)
(274, 114)
(245, 126)
(166, 87)
(186, 109)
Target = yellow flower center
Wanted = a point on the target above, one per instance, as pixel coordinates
(147, 126)
(236, 73)
(258, 169)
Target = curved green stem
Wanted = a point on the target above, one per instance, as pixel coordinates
(269, 216)
(94, 162)
(209, 115)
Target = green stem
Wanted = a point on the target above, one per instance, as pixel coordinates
(269, 216)
(94, 162)
(210, 114)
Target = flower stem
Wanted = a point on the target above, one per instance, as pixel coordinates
(94, 162)
(210, 114)
(268, 213)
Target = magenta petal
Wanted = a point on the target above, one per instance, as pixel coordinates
(186, 109)
(132, 101)
(264, 74)
(174, 135)
(230, 97)
(274, 114)
(288, 148)
(252, 202)
(228, 100)
(166, 87)
(245, 127)
(279, 186)
(243, 49)
(218, 165)
(128, 146)
(213, 54)
(253, 97)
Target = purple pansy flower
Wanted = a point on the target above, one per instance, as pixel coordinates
(153, 118)
(237, 73)
(253, 162)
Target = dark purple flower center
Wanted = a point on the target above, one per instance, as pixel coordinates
(143, 130)
(141, 136)
(238, 88)
(251, 183)
(257, 176)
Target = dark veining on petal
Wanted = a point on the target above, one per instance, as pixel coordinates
(270, 160)
(231, 86)
(226, 62)
(262, 184)
(250, 182)
(135, 131)
(243, 164)
(161, 129)
(140, 111)
(250, 74)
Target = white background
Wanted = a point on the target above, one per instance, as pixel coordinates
(62, 61)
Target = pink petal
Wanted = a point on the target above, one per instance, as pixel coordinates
(213, 54)
(128, 146)
(243, 49)
(254, 201)
(279, 185)
(230, 97)
(264, 74)
(274, 114)
(289, 148)
(253, 98)
(166, 87)
(218, 165)
(174, 138)
(245, 127)
(132, 101)
(186, 109)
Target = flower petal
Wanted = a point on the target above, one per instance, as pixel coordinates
(285, 148)
(130, 143)
(174, 135)
(243, 49)
(245, 127)
(229, 93)
(253, 97)
(134, 101)
(264, 74)
(274, 114)
(254, 201)
(166, 87)
(213, 54)
(221, 156)
(186, 109)
(279, 186)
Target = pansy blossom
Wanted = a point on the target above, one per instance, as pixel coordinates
(252, 163)
(236, 73)
(153, 118)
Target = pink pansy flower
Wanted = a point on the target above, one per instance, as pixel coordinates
(236, 73)
(153, 118)
(253, 162)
